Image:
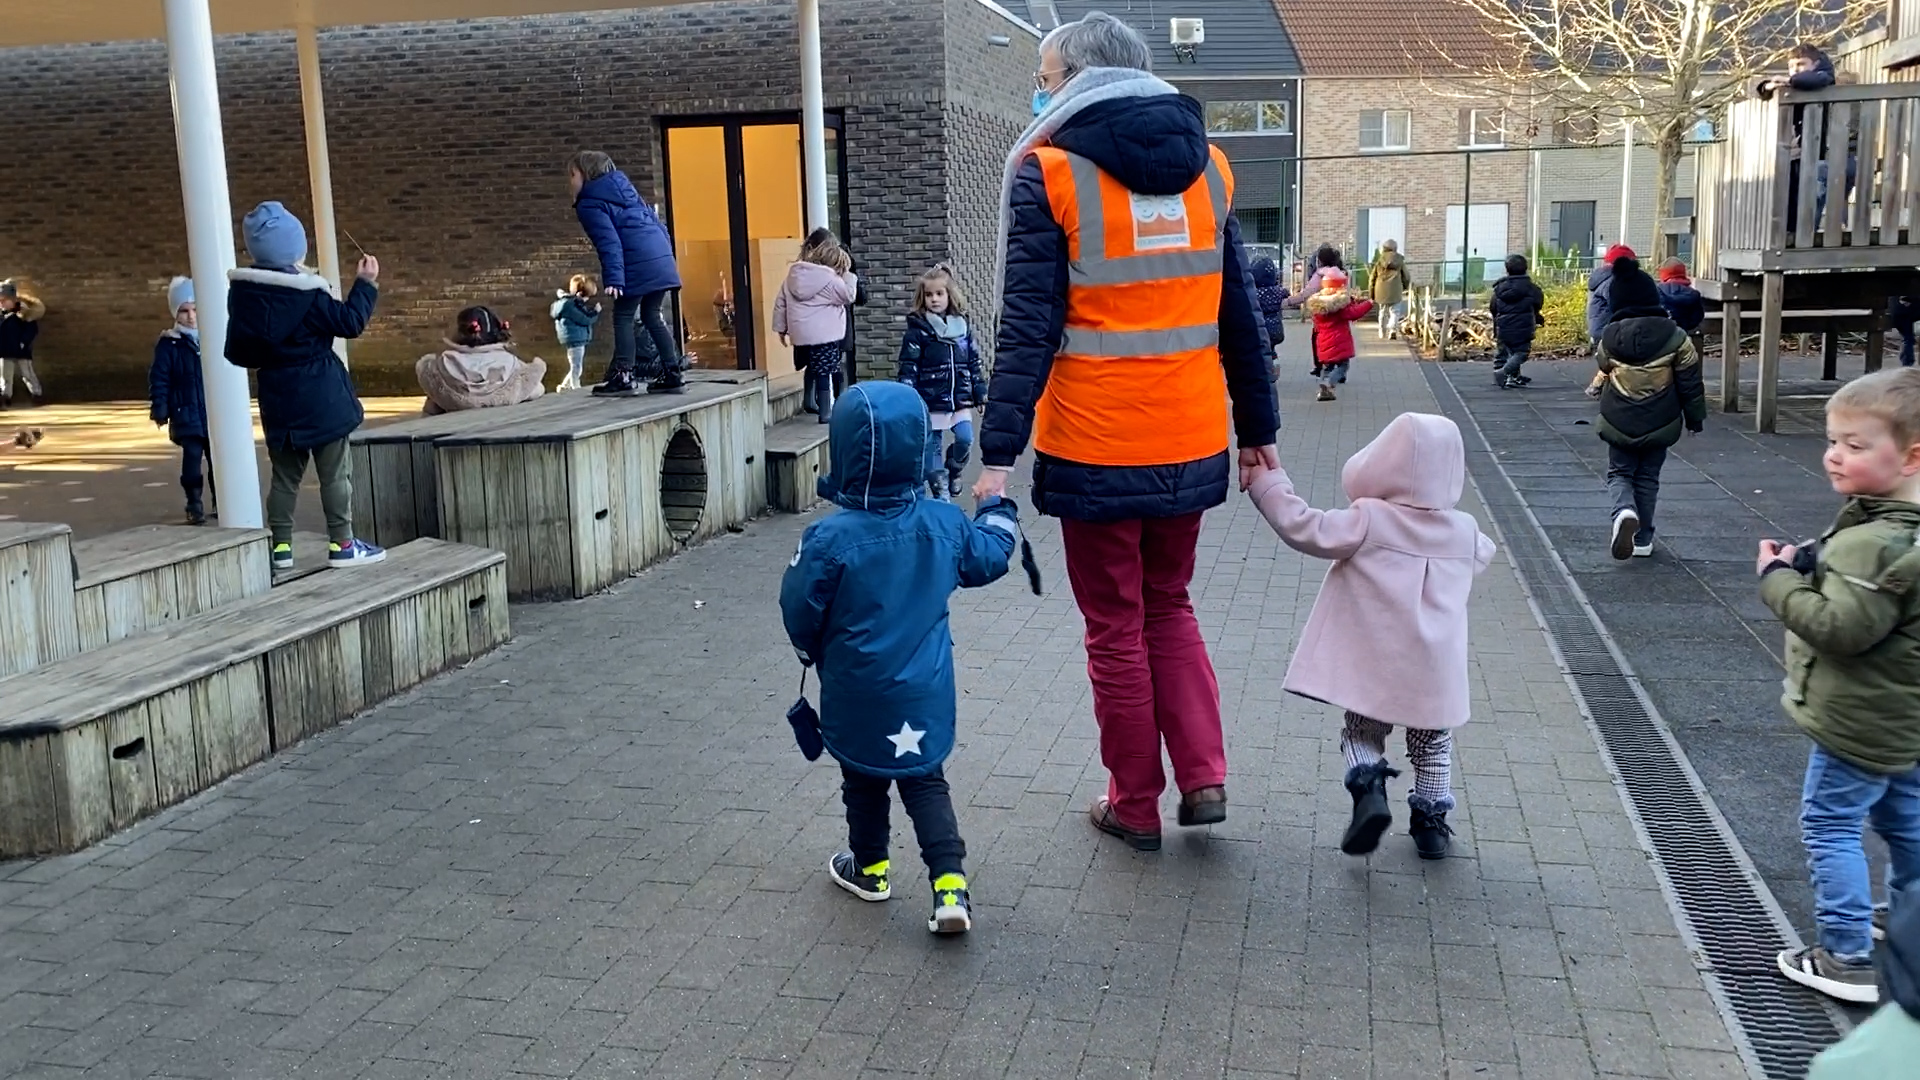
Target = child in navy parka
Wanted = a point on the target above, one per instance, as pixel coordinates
(865, 603)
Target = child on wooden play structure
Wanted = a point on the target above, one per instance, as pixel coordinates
(574, 312)
(179, 402)
(478, 368)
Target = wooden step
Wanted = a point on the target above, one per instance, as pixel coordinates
(796, 459)
(146, 577)
(93, 742)
(37, 623)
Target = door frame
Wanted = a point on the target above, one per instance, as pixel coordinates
(746, 348)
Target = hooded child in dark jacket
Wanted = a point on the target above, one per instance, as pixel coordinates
(865, 603)
(20, 315)
(282, 319)
(1652, 388)
(938, 359)
(1273, 300)
(1334, 311)
(1684, 304)
(179, 400)
(1517, 304)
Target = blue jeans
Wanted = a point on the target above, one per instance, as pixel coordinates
(1906, 344)
(1508, 358)
(1839, 799)
(1334, 374)
(956, 460)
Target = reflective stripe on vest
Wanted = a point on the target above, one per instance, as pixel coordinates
(1138, 379)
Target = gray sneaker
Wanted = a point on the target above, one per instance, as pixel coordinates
(1819, 969)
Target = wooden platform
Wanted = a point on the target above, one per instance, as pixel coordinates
(796, 459)
(583, 497)
(37, 623)
(147, 577)
(92, 743)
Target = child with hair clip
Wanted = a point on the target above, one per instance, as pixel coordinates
(810, 313)
(938, 359)
(478, 369)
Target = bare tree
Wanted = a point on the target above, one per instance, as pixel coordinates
(1660, 65)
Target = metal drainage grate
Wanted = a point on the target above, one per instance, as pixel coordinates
(1711, 885)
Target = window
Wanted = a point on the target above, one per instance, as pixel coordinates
(1482, 127)
(1576, 129)
(1249, 117)
(1386, 129)
(1703, 131)
(1262, 224)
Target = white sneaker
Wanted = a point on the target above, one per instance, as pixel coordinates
(1643, 551)
(1625, 524)
(1818, 969)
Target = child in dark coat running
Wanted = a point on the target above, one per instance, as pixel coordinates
(1517, 304)
(283, 319)
(865, 603)
(1684, 304)
(179, 400)
(938, 359)
(1273, 302)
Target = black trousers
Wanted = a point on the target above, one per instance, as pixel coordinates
(1633, 479)
(929, 804)
(630, 313)
(195, 469)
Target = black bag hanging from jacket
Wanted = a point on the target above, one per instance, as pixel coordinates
(806, 724)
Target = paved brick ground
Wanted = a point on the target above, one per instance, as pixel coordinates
(596, 854)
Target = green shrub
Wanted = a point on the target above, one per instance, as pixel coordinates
(1566, 312)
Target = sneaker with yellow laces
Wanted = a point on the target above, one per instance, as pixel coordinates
(869, 883)
(952, 914)
(283, 556)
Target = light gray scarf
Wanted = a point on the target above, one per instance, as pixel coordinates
(1090, 87)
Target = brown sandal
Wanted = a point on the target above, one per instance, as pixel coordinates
(1103, 818)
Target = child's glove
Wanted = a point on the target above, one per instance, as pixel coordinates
(1001, 506)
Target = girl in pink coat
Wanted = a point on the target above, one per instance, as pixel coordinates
(1387, 640)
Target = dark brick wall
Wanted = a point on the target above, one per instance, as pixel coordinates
(448, 141)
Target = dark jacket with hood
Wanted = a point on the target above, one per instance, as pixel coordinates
(1273, 299)
(1599, 285)
(178, 398)
(19, 327)
(636, 254)
(1684, 304)
(946, 373)
(1151, 146)
(1819, 77)
(865, 598)
(573, 318)
(1517, 303)
(1653, 383)
(283, 324)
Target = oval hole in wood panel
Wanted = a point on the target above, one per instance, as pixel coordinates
(683, 484)
(477, 602)
(130, 750)
(601, 515)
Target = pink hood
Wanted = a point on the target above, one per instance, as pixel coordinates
(1418, 461)
(811, 306)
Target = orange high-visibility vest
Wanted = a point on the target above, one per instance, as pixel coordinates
(1138, 379)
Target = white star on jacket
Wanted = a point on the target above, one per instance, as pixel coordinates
(907, 742)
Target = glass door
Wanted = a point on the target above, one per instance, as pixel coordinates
(736, 205)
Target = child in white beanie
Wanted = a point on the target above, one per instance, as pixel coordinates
(179, 401)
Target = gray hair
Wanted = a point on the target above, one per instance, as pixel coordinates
(1098, 41)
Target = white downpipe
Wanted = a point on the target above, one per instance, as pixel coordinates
(1626, 186)
(813, 114)
(1533, 198)
(313, 109)
(209, 213)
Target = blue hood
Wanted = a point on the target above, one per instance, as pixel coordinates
(614, 187)
(1153, 146)
(877, 448)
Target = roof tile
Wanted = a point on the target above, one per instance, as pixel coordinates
(1386, 37)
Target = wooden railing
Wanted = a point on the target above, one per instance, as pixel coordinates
(1858, 206)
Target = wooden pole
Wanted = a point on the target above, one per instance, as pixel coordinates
(1766, 413)
(1730, 316)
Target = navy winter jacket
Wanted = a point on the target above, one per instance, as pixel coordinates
(946, 373)
(865, 598)
(1273, 299)
(1516, 310)
(573, 319)
(636, 254)
(1151, 146)
(1684, 304)
(284, 325)
(173, 385)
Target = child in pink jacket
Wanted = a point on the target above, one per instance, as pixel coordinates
(1387, 640)
(810, 313)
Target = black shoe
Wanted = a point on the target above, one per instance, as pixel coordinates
(1432, 836)
(1203, 806)
(1519, 380)
(196, 516)
(672, 382)
(618, 384)
(869, 883)
(1371, 816)
(953, 485)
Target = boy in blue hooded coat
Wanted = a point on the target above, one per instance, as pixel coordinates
(865, 603)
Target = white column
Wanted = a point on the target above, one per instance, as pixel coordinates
(1535, 210)
(1626, 187)
(813, 115)
(313, 107)
(209, 213)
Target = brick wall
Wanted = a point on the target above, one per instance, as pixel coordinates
(1593, 174)
(1333, 192)
(448, 142)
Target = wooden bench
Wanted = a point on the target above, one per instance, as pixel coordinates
(91, 743)
(36, 595)
(395, 495)
(146, 577)
(581, 498)
(796, 458)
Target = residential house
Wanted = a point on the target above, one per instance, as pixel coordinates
(1244, 72)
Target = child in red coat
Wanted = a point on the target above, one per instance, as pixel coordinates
(1334, 312)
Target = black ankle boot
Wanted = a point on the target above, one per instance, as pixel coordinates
(1371, 817)
(1432, 836)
